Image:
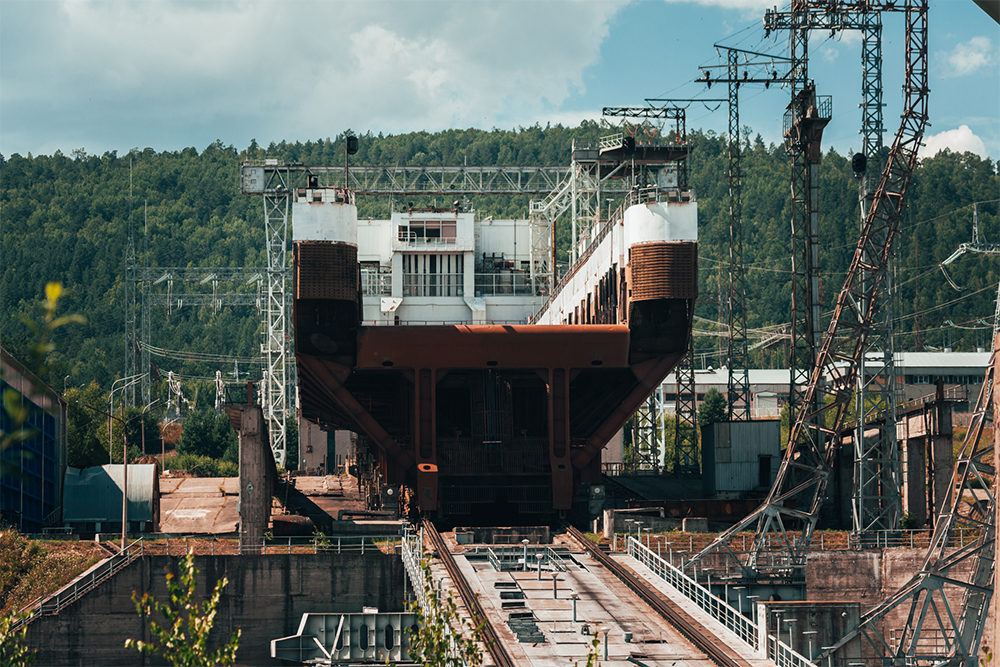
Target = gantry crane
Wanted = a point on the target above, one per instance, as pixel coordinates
(686, 458)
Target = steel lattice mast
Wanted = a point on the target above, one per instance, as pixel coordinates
(785, 523)
(275, 346)
(876, 499)
(738, 358)
(947, 601)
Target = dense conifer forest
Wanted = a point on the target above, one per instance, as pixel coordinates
(67, 218)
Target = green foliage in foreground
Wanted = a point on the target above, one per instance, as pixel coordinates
(13, 652)
(433, 643)
(183, 639)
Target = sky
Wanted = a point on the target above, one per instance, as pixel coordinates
(111, 75)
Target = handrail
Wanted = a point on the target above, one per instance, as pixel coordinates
(412, 554)
(51, 605)
(739, 624)
(783, 656)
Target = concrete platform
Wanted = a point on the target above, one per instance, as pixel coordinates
(722, 632)
(199, 505)
(603, 602)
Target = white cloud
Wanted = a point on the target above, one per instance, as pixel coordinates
(302, 69)
(970, 56)
(957, 141)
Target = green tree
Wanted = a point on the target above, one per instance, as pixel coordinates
(183, 640)
(713, 408)
(84, 447)
(206, 434)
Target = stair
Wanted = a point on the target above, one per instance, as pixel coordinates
(523, 625)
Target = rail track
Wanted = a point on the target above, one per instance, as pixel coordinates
(487, 633)
(694, 631)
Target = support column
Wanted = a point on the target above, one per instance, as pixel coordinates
(559, 444)
(427, 470)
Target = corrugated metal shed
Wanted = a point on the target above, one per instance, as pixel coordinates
(95, 494)
(738, 457)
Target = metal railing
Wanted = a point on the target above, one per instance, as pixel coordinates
(410, 241)
(52, 604)
(783, 655)
(521, 558)
(412, 550)
(716, 607)
(504, 283)
(376, 281)
(319, 544)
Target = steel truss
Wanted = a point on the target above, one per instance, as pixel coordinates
(945, 604)
(686, 454)
(275, 348)
(738, 358)
(645, 450)
(876, 499)
(458, 180)
(785, 522)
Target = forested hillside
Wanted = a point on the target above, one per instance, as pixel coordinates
(66, 218)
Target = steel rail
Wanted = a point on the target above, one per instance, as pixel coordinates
(696, 633)
(487, 633)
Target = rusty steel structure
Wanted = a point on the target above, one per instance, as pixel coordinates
(492, 422)
(876, 501)
(944, 605)
(785, 523)
(686, 456)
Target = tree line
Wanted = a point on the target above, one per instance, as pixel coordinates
(69, 218)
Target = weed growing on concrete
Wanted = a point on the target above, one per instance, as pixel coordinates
(442, 637)
(593, 653)
(183, 640)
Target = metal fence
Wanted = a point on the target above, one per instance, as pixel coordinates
(412, 551)
(784, 656)
(742, 626)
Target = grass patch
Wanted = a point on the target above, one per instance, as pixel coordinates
(30, 569)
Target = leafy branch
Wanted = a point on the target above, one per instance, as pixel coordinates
(183, 639)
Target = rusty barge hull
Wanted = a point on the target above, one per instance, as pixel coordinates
(489, 422)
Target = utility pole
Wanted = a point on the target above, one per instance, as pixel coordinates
(738, 397)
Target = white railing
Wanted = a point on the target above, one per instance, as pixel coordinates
(413, 555)
(409, 241)
(719, 609)
(376, 281)
(504, 283)
(53, 604)
(783, 656)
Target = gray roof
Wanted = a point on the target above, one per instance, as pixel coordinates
(95, 494)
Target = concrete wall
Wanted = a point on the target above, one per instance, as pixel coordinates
(266, 597)
(870, 576)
